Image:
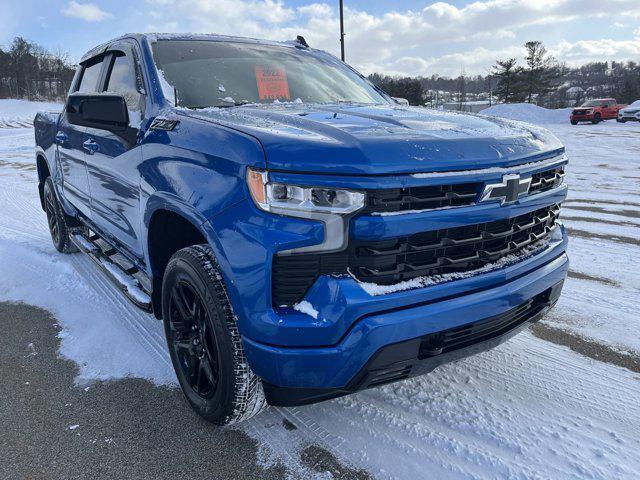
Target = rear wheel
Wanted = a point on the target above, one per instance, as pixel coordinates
(574, 122)
(57, 220)
(203, 339)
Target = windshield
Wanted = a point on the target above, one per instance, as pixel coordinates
(221, 74)
(592, 103)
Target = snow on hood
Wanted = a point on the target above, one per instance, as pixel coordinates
(381, 139)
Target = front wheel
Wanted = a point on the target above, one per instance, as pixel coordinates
(597, 118)
(203, 339)
(574, 122)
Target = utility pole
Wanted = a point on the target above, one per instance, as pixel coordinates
(342, 30)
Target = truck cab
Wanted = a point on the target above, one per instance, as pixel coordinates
(300, 233)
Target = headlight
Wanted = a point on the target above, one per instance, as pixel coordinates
(331, 206)
(297, 201)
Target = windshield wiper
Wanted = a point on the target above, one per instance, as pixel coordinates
(229, 102)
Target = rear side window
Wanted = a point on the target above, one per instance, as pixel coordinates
(90, 77)
(122, 80)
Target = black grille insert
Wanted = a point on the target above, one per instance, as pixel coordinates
(543, 181)
(422, 198)
(436, 252)
(457, 249)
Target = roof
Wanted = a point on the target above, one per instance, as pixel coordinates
(153, 37)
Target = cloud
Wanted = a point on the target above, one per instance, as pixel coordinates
(439, 38)
(596, 50)
(89, 12)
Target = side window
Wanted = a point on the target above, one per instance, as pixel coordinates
(90, 78)
(122, 80)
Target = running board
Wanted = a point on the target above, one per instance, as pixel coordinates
(122, 277)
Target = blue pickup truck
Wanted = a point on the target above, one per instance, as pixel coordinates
(301, 234)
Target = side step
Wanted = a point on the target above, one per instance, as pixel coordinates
(123, 277)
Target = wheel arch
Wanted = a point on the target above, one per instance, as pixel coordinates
(43, 172)
(172, 225)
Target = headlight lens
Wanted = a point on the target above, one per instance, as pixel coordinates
(298, 200)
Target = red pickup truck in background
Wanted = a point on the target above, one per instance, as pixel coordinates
(595, 111)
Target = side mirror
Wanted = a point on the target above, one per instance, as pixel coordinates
(401, 101)
(103, 111)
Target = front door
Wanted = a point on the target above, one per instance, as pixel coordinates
(71, 151)
(608, 110)
(113, 161)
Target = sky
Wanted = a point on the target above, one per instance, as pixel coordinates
(400, 37)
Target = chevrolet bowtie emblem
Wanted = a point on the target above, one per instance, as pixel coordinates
(508, 191)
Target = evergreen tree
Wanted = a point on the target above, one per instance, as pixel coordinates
(630, 91)
(509, 88)
(408, 88)
(542, 71)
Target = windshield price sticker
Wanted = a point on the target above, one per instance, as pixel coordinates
(272, 83)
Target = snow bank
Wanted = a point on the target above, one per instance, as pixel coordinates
(20, 113)
(527, 112)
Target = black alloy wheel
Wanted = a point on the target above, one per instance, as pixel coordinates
(193, 340)
(204, 342)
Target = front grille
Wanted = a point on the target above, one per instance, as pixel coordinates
(422, 198)
(436, 252)
(543, 181)
(457, 249)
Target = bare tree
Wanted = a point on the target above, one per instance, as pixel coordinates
(29, 71)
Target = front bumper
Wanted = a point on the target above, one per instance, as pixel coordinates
(422, 355)
(302, 375)
(582, 117)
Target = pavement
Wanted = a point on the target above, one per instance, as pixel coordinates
(52, 428)
(126, 429)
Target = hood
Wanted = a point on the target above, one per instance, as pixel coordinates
(382, 139)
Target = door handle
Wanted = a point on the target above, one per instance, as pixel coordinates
(90, 146)
(61, 137)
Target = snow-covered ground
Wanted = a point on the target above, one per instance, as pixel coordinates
(528, 409)
(20, 113)
(601, 300)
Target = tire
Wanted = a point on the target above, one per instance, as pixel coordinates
(621, 120)
(597, 118)
(203, 340)
(57, 220)
(574, 122)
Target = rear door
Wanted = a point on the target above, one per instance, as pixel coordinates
(113, 160)
(70, 139)
(608, 109)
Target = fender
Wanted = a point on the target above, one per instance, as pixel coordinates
(164, 201)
